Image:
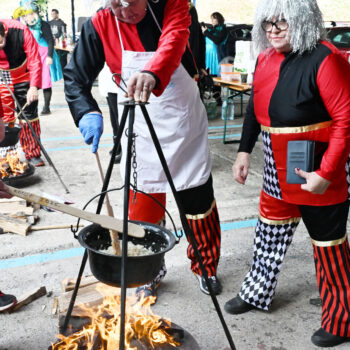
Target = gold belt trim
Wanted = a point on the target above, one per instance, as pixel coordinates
(13, 69)
(31, 120)
(329, 243)
(297, 129)
(278, 222)
(202, 216)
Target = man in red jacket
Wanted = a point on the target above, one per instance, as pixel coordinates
(21, 72)
(146, 43)
(6, 300)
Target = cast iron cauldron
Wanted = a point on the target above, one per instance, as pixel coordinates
(11, 136)
(140, 269)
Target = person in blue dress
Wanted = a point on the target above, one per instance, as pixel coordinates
(215, 39)
(51, 67)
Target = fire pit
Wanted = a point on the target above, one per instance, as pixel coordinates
(11, 136)
(13, 179)
(183, 338)
(144, 330)
(12, 168)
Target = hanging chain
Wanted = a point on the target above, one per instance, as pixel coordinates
(134, 166)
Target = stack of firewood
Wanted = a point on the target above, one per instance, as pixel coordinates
(88, 296)
(16, 216)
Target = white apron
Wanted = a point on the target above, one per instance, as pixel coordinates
(180, 122)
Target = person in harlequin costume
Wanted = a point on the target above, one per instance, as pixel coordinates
(51, 67)
(21, 70)
(7, 301)
(145, 42)
(301, 91)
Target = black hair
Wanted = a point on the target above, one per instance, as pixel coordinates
(219, 17)
(2, 29)
(55, 11)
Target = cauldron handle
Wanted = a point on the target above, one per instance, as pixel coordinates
(177, 236)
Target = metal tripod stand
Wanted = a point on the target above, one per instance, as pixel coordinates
(129, 111)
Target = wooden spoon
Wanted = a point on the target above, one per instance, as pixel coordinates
(114, 235)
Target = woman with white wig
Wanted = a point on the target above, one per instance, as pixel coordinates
(145, 42)
(301, 92)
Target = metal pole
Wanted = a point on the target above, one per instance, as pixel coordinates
(73, 21)
(98, 211)
(125, 227)
(187, 229)
(34, 133)
(75, 292)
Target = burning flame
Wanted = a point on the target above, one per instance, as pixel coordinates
(140, 324)
(11, 165)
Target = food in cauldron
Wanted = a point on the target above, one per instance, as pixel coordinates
(133, 249)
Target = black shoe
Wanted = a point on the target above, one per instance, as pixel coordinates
(45, 111)
(7, 301)
(326, 340)
(37, 161)
(238, 306)
(147, 290)
(214, 282)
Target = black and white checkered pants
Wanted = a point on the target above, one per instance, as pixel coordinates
(270, 246)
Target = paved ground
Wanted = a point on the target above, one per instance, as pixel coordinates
(47, 257)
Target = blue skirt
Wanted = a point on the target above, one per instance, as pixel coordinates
(211, 56)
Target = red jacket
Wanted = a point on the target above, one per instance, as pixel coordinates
(301, 97)
(99, 43)
(20, 55)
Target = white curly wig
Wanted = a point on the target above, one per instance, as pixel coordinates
(304, 18)
(107, 3)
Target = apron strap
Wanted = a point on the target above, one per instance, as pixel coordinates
(187, 44)
(119, 34)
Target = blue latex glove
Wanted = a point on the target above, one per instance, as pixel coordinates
(91, 127)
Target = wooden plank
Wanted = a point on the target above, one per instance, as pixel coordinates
(105, 221)
(28, 298)
(75, 324)
(13, 225)
(69, 283)
(14, 199)
(87, 296)
(13, 208)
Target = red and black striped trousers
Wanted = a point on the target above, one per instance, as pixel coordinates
(332, 262)
(207, 233)
(28, 142)
(201, 212)
(326, 226)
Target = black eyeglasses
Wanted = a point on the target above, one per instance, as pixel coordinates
(280, 25)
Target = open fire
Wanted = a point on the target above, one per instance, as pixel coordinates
(141, 326)
(11, 165)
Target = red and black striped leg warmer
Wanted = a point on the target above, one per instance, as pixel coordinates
(332, 262)
(29, 144)
(206, 229)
